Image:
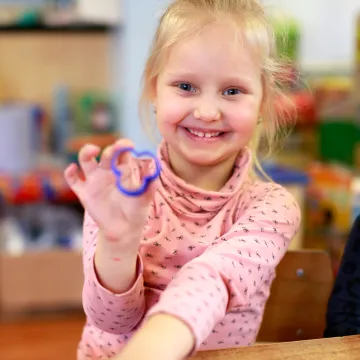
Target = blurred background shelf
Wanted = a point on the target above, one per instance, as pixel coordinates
(71, 28)
(34, 64)
(56, 92)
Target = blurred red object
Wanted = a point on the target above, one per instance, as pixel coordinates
(299, 106)
(42, 185)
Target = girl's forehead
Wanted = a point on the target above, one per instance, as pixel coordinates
(219, 35)
(214, 49)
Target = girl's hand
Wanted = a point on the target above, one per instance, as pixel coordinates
(118, 216)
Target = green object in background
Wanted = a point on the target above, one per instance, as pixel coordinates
(338, 139)
(287, 33)
(72, 157)
(28, 18)
(95, 113)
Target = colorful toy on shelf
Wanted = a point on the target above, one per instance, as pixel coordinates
(94, 122)
(147, 179)
(94, 114)
(332, 188)
(333, 202)
(338, 131)
(333, 96)
(36, 186)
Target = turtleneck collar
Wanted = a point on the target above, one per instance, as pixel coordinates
(189, 199)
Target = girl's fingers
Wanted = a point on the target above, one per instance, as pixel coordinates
(110, 152)
(73, 179)
(124, 143)
(125, 157)
(106, 157)
(87, 158)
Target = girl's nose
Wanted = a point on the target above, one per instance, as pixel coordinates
(207, 112)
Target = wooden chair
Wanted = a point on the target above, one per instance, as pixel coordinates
(295, 310)
(299, 295)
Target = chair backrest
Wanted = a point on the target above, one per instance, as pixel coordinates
(298, 300)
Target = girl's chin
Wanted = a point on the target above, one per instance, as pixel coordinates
(206, 158)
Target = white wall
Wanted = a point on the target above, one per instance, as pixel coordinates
(328, 29)
(140, 18)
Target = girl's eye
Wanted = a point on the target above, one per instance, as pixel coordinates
(232, 91)
(186, 87)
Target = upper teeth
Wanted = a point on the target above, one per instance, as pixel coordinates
(202, 134)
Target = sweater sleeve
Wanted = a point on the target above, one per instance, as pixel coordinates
(228, 274)
(113, 313)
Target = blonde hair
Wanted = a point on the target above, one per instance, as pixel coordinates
(184, 18)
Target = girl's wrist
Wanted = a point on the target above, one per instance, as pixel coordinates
(126, 244)
(115, 266)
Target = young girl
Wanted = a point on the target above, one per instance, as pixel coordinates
(188, 266)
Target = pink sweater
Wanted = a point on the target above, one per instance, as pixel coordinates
(208, 258)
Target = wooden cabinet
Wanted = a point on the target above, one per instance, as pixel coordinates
(43, 281)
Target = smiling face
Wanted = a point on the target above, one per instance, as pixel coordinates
(208, 97)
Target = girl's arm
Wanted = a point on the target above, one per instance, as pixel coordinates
(116, 266)
(112, 303)
(227, 275)
(162, 337)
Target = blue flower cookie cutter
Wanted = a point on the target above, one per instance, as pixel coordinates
(146, 181)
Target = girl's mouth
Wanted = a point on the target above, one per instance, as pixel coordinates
(206, 135)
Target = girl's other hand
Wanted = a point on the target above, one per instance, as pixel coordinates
(116, 214)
